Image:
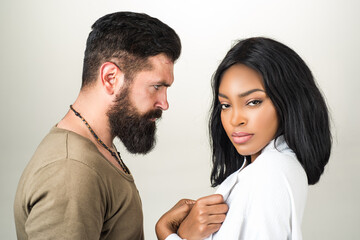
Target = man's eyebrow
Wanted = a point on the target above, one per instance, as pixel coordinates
(162, 83)
(244, 94)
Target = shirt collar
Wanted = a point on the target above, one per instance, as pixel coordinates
(228, 184)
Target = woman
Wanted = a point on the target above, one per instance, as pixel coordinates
(270, 137)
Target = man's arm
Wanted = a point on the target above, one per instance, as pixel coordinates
(197, 221)
(171, 220)
(65, 202)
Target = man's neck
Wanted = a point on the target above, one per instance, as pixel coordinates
(96, 117)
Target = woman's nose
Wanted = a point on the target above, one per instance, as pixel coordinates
(237, 118)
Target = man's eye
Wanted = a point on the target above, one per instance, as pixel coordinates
(254, 102)
(157, 87)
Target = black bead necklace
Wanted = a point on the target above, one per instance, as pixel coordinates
(117, 157)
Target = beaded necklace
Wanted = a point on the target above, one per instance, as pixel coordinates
(116, 156)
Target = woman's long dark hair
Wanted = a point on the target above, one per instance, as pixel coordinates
(301, 109)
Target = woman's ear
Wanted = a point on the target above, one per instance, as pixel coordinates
(111, 77)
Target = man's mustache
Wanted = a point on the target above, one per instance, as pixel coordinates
(157, 113)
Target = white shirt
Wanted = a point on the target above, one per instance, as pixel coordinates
(266, 199)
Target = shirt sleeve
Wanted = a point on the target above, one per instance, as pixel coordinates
(268, 212)
(65, 201)
(173, 236)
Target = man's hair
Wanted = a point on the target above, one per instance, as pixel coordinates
(127, 39)
(301, 109)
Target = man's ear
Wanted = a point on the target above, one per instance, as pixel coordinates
(111, 77)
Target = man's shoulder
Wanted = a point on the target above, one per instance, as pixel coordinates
(63, 150)
(60, 144)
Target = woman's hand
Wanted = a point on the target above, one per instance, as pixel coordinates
(205, 218)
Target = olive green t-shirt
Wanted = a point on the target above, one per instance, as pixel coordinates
(69, 190)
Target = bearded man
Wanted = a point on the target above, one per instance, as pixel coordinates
(76, 185)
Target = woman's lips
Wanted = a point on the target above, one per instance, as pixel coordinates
(241, 137)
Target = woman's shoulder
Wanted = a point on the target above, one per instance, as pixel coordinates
(279, 170)
(278, 157)
(276, 165)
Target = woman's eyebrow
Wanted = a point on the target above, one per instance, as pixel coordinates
(222, 95)
(250, 92)
(244, 94)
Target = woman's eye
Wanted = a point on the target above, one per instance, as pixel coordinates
(254, 102)
(225, 106)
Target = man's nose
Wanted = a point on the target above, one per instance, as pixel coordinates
(162, 102)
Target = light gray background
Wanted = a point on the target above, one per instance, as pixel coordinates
(42, 45)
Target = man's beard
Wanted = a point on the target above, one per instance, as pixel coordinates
(135, 130)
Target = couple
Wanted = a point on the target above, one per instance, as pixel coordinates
(269, 130)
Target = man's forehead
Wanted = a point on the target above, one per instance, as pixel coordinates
(155, 77)
(160, 72)
(160, 58)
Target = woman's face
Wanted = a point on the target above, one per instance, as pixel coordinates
(248, 115)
